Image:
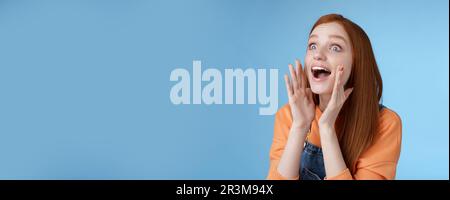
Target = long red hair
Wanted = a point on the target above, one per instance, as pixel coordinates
(357, 121)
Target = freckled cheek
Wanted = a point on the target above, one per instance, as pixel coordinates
(341, 60)
(347, 61)
(347, 71)
(348, 68)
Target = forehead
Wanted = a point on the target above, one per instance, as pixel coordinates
(328, 29)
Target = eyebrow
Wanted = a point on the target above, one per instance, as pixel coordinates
(330, 36)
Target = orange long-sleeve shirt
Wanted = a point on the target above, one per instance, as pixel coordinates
(378, 161)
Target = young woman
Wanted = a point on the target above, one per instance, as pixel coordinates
(334, 126)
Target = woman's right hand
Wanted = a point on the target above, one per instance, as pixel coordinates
(300, 98)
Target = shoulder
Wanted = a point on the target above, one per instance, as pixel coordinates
(284, 114)
(283, 121)
(386, 144)
(389, 124)
(389, 117)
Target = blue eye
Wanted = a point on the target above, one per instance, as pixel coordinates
(312, 46)
(336, 48)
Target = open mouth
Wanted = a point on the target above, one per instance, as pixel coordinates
(320, 72)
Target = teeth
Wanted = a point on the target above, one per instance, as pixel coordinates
(319, 68)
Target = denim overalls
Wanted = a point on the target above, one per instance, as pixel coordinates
(311, 165)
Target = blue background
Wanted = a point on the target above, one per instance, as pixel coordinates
(84, 85)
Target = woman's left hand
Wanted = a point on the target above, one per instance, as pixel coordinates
(337, 100)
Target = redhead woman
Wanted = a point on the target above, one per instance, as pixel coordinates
(334, 127)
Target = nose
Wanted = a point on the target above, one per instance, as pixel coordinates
(319, 55)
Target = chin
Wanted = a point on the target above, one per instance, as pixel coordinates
(321, 89)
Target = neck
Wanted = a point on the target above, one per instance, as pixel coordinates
(323, 101)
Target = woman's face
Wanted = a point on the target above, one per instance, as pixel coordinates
(328, 47)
